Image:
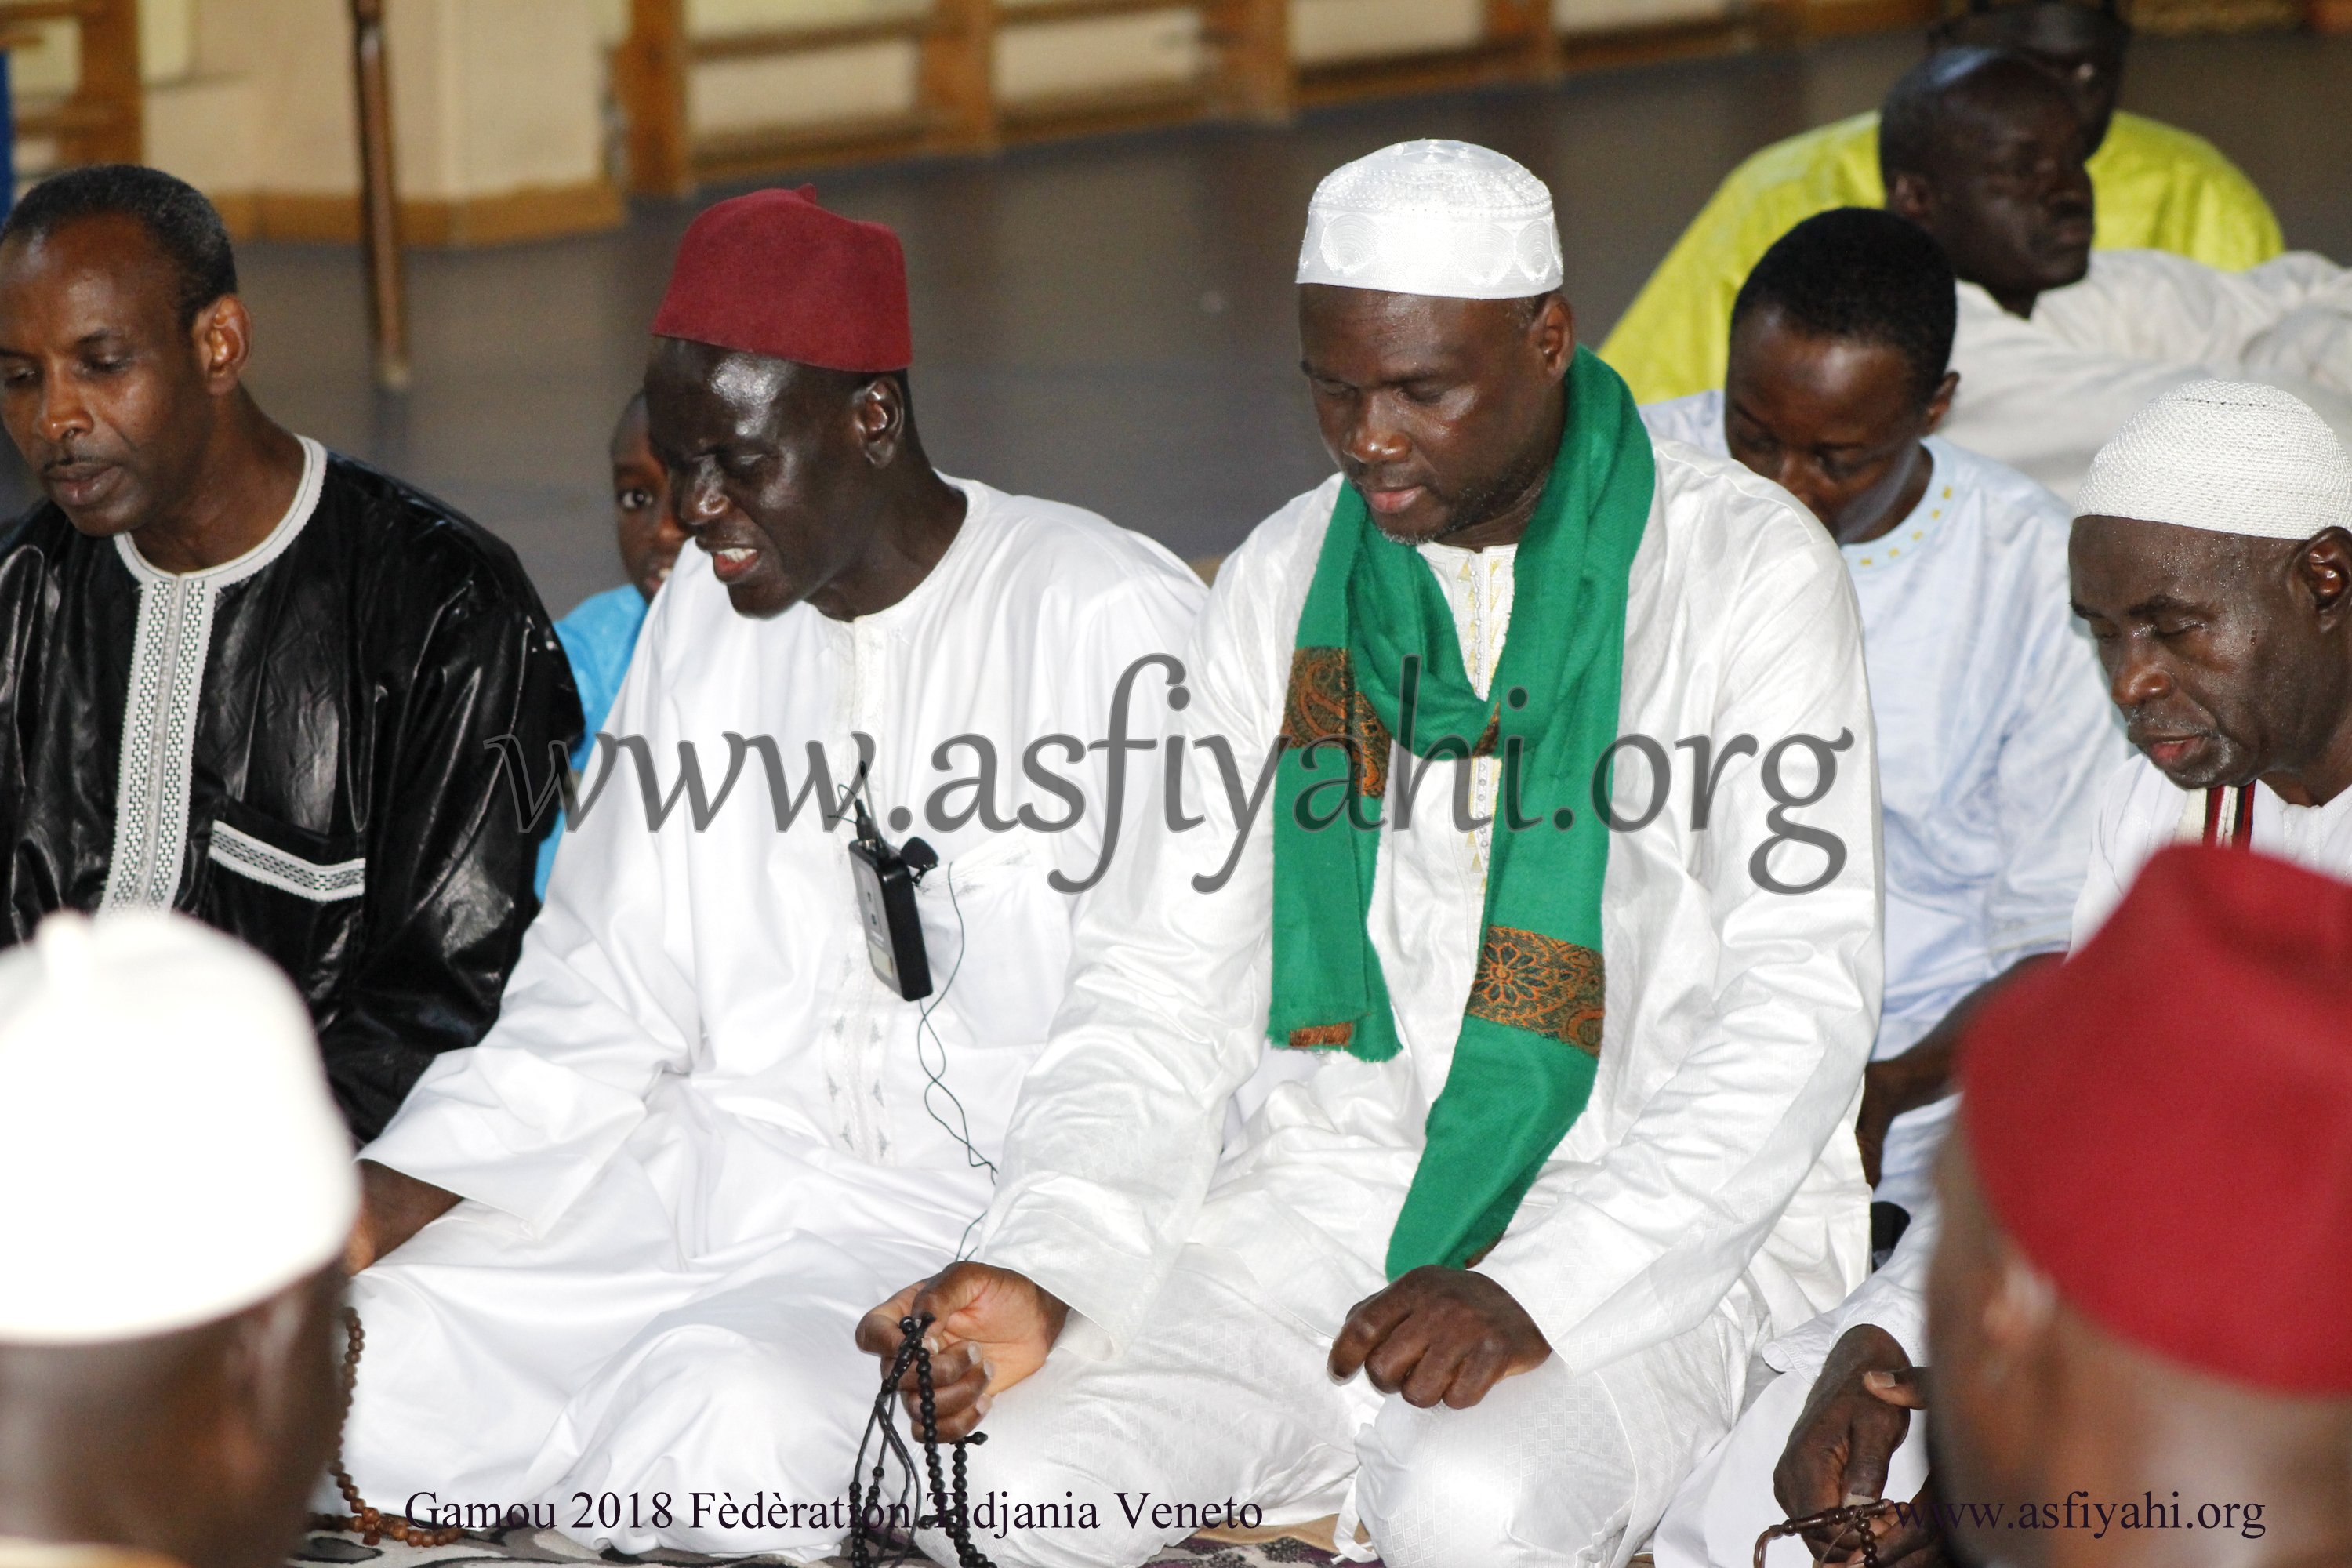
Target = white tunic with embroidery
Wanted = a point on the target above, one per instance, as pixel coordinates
(1995, 736)
(703, 1137)
(2044, 394)
(1715, 1155)
(306, 746)
(2142, 811)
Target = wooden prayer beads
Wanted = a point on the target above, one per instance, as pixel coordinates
(370, 1523)
(1852, 1516)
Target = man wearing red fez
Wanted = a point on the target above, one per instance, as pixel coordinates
(2140, 1302)
(618, 1248)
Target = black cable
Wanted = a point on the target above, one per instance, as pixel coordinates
(936, 1075)
(952, 1511)
(961, 1131)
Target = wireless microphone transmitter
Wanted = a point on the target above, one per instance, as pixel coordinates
(885, 905)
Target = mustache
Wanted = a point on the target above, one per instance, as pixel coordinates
(2141, 731)
(1383, 479)
(69, 457)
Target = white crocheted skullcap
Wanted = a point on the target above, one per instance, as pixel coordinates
(1443, 218)
(2229, 456)
(169, 1151)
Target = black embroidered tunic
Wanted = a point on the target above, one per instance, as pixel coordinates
(299, 746)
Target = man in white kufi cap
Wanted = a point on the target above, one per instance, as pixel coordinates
(2212, 558)
(176, 1192)
(1547, 1055)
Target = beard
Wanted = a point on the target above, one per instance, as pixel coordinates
(1482, 503)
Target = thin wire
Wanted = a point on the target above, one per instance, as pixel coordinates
(925, 1029)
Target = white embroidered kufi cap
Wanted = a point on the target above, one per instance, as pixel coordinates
(1432, 218)
(169, 1151)
(2229, 456)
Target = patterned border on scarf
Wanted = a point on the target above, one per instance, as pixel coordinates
(1529, 981)
(1323, 703)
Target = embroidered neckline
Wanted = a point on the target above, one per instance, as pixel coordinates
(273, 545)
(1477, 583)
(168, 655)
(1907, 537)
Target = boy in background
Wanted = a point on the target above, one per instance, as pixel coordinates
(601, 632)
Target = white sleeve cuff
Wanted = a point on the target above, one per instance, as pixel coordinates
(507, 1128)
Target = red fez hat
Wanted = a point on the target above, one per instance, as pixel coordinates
(2163, 1123)
(773, 273)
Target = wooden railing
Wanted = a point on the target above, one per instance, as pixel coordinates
(100, 120)
(1248, 71)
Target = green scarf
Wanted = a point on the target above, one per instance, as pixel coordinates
(1377, 657)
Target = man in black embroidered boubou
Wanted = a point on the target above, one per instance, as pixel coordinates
(240, 675)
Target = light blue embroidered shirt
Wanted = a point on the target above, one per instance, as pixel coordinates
(1995, 738)
(598, 636)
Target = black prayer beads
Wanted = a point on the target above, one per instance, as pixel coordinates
(869, 1540)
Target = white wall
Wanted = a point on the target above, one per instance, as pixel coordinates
(1032, 60)
(1046, 60)
(488, 97)
(1324, 32)
(783, 90)
(167, 38)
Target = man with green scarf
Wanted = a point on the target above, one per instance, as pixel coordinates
(1545, 965)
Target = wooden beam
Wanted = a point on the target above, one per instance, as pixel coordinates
(807, 41)
(649, 80)
(1251, 73)
(958, 77)
(102, 119)
(1836, 18)
(1251, 39)
(1382, 76)
(1604, 49)
(65, 121)
(738, 154)
(28, 11)
(1009, 16)
(387, 294)
(1527, 23)
(1088, 112)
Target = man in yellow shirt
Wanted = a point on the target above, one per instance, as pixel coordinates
(2157, 189)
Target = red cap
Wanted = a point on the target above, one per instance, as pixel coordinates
(773, 273)
(2163, 1123)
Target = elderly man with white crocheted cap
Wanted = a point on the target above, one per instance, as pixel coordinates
(1534, 921)
(2210, 555)
(176, 1192)
(2212, 559)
